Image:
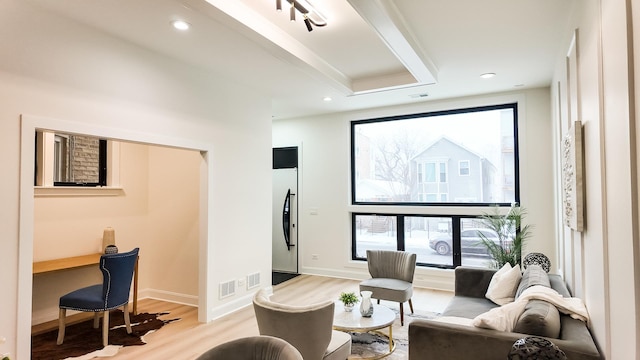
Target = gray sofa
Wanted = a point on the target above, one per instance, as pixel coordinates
(433, 339)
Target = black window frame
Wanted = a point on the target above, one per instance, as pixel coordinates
(455, 218)
(456, 235)
(102, 167)
(513, 106)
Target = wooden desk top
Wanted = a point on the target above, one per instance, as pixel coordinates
(65, 263)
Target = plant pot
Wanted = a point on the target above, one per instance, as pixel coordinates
(348, 307)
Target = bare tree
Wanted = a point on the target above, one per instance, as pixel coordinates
(393, 161)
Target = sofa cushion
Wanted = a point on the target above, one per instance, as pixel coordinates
(503, 285)
(467, 307)
(539, 318)
(533, 275)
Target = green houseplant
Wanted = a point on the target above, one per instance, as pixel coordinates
(512, 234)
(349, 299)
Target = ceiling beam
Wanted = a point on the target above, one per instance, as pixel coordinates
(385, 19)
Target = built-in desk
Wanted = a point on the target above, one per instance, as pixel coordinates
(40, 267)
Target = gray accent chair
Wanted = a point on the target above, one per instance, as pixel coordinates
(391, 277)
(253, 348)
(308, 328)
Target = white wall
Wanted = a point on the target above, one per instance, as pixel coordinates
(54, 68)
(171, 267)
(601, 262)
(325, 184)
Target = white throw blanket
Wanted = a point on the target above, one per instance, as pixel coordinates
(505, 317)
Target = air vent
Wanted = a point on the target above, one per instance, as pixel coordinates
(418, 96)
(227, 289)
(253, 280)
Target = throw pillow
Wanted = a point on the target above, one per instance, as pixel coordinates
(502, 318)
(503, 285)
(533, 275)
(539, 318)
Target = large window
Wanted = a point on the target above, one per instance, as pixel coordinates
(465, 156)
(438, 241)
(453, 164)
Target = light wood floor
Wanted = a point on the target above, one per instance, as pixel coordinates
(187, 338)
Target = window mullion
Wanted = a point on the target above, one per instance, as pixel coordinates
(400, 232)
(455, 237)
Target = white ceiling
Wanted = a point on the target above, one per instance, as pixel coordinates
(454, 41)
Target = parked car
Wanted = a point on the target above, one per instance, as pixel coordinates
(470, 241)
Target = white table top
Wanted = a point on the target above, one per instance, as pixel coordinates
(353, 321)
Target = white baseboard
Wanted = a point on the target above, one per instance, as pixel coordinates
(169, 296)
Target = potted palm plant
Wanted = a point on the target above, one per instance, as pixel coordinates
(349, 299)
(512, 234)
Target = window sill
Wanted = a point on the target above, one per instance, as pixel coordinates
(64, 191)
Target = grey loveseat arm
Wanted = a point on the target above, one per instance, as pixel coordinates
(433, 339)
(429, 339)
(472, 282)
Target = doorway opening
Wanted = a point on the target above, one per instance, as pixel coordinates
(285, 241)
(27, 206)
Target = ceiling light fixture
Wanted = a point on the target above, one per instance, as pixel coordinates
(327, 98)
(487, 75)
(181, 25)
(310, 14)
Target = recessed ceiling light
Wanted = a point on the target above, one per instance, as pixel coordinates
(487, 75)
(181, 25)
(327, 98)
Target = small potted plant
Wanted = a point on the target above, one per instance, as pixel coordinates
(349, 299)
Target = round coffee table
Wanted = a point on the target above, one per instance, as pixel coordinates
(352, 321)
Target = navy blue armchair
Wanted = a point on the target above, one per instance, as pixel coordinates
(117, 272)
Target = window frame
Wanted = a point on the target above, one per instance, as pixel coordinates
(456, 211)
(456, 235)
(43, 172)
(468, 167)
(516, 182)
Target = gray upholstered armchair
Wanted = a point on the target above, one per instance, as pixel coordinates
(308, 328)
(253, 348)
(391, 277)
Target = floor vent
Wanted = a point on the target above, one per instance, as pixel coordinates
(227, 289)
(253, 280)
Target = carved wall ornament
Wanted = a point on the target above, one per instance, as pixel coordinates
(572, 178)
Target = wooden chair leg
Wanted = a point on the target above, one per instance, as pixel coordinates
(401, 315)
(61, 325)
(411, 305)
(96, 319)
(105, 328)
(127, 320)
